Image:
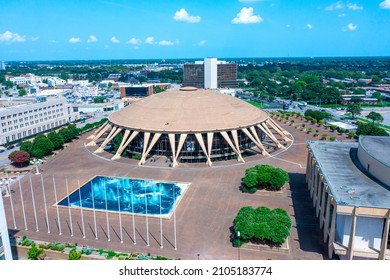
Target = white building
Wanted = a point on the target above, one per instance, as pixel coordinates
(98, 107)
(55, 81)
(32, 117)
(5, 246)
(210, 73)
(349, 185)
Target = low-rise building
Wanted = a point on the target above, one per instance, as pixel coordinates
(350, 190)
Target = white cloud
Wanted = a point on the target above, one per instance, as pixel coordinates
(10, 37)
(114, 40)
(349, 27)
(354, 7)
(202, 43)
(342, 15)
(288, 25)
(74, 40)
(92, 39)
(340, 5)
(36, 38)
(245, 16)
(136, 47)
(166, 43)
(149, 40)
(309, 26)
(385, 4)
(182, 15)
(335, 6)
(53, 41)
(134, 41)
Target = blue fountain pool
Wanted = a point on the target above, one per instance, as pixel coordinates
(127, 195)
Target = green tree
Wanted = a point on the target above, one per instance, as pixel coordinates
(375, 117)
(99, 99)
(354, 109)
(56, 139)
(26, 146)
(265, 176)
(22, 92)
(19, 157)
(370, 129)
(378, 96)
(41, 146)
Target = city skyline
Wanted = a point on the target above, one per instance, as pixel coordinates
(116, 29)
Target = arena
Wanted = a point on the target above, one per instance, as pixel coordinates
(190, 125)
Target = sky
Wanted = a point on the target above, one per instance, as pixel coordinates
(165, 29)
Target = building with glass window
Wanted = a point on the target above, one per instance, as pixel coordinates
(25, 117)
(349, 184)
(190, 125)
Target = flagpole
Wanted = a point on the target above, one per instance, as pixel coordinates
(147, 221)
(81, 208)
(21, 198)
(58, 214)
(12, 204)
(44, 202)
(33, 201)
(70, 212)
(174, 215)
(108, 225)
(94, 212)
(132, 210)
(119, 209)
(161, 234)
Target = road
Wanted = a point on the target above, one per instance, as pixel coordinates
(4, 156)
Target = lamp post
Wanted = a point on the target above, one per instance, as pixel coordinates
(198, 256)
(238, 244)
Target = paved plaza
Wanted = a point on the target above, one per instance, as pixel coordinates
(203, 216)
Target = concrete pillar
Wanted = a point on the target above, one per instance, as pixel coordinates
(327, 218)
(93, 142)
(114, 132)
(307, 166)
(280, 132)
(149, 148)
(322, 208)
(121, 146)
(237, 145)
(352, 234)
(227, 139)
(199, 137)
(319, 191)
(385, 237)
(172, 142)
(210, 136)
(258, 144)
(180, 145)
(265, 129)
(97, 131)
(332, 232)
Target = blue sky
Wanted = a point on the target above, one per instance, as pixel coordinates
(163, 29)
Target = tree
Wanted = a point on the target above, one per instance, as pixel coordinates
(259, 225)
(26, 146)
(41, 146)
(74, 255)
(354, 109)
(375, 117)
(99, 99)
(19, 157)
(22, 92)
(56, 139)
(370, 129)
(378, 96)
(265, 176)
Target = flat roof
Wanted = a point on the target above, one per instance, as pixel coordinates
(348, 184)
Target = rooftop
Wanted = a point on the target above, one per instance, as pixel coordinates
(378, 147)
(349, 184)
(188, 110)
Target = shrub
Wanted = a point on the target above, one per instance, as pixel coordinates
(370, 129)
(332, 138)
(74, 255)
(351, 134)
(264, 176)
(19, 157)
(323, 136)
(26, 146)
(41, 146)
(315, 134)
(261, 225)
(315, 114)
(136, 157)
(34, 253)
(333, 127)
(303, 125)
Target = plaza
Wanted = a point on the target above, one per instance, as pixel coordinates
(202, 218)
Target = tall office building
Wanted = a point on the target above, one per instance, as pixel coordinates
(210, 74)
(2, 65)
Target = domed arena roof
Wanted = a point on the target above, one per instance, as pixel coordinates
(189, 125)
(188, 110)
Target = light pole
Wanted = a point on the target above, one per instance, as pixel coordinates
(238, 244)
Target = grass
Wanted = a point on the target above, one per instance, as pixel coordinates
(256, 104)
(387, 127)
(379, 104)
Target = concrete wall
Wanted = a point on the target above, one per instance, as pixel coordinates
(373, 166)
(368, 233)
